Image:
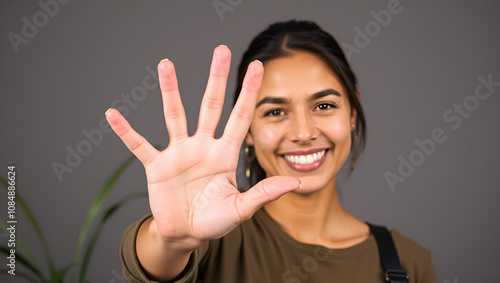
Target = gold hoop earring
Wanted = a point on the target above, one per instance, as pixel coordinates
(250, 157)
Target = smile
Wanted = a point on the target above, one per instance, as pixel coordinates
(305, 159)
(305, 162)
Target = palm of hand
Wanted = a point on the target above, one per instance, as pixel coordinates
(192, 184)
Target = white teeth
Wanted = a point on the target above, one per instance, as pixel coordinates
(302, 159)
(305, 159)
(309, 159)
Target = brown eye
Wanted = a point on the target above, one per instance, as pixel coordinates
(275, 112)
(324, 106)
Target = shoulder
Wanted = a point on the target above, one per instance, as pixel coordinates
(406, 246)
(414, 258)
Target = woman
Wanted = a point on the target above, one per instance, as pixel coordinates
(298, 113)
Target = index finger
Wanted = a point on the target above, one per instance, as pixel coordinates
(242, 114)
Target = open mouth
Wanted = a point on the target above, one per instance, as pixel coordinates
(305, 159)
(305, 162)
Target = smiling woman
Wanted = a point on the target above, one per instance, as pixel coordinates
(303, 120)
(297, 110)
(301, 58)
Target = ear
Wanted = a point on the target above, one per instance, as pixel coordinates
(249, 139)
(353, 113)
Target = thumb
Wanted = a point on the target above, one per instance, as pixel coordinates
(265, 191)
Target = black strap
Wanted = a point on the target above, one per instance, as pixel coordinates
(394, 273)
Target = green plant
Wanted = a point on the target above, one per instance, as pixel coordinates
(79, 266)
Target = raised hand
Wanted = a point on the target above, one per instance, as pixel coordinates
(192, 184)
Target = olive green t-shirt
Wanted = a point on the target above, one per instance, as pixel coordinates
(259, 251)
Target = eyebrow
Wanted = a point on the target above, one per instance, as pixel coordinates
(323, 93)
(281, 100)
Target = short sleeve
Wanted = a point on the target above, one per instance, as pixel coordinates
(427, 274)
(415, 259)
(132, 270)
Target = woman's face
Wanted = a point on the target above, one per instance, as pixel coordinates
(302, 122)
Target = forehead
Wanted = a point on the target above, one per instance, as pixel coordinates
(299, 75)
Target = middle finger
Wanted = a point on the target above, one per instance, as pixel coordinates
(213, 99)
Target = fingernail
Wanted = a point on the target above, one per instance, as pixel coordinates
(259, 62)
(164, 60)
(107, 111)
(224, 46)
(300, 183)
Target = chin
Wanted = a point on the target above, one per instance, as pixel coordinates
(311, 184)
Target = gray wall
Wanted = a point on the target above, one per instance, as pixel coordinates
(415, 72)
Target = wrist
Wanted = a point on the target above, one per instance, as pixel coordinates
(161, 259)
(178, 245)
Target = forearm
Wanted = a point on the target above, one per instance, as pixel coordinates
(160, 259)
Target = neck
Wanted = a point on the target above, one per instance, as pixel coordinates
(317, 218)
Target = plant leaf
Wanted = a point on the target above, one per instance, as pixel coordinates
(105, 217)
(94, 210)
(30, 260)
(20, 244)
(23, 261)
(20, 274)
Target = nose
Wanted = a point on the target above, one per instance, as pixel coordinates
(301, 129)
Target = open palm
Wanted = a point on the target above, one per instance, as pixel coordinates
(192, 183)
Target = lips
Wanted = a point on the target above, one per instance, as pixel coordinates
(305, 161)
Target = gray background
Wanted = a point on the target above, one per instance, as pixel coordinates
(424, 61)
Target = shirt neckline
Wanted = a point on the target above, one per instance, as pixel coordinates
(365, 246)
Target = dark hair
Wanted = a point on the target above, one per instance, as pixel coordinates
(283, 39)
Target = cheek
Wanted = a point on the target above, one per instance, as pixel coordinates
(340, 132)
(266, 134)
